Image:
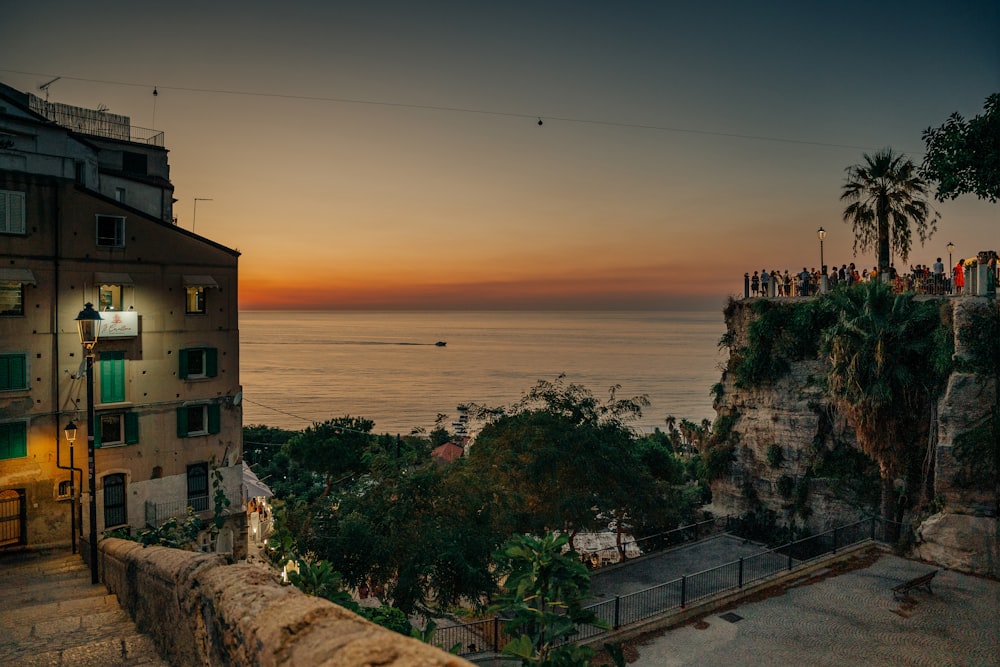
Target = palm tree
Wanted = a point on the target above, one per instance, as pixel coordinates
(882, 376)
(886, 195)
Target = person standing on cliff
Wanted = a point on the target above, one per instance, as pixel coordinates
(938, 277)
(804, 282)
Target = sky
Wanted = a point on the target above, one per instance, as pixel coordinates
(389, 155)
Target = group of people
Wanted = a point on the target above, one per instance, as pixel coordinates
(804, 283)
(807, 282)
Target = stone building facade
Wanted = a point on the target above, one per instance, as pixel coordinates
(86, 217)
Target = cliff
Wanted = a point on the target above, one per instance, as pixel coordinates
(793, 457)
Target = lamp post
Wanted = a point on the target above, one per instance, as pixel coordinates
(951, 269)
(71, 438)
(822, 267)
(88, 324)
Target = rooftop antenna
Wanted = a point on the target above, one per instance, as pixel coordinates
(155, 95)
(45, 87)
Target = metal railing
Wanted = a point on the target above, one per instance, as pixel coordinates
(157, 513)
(623, 610)
(655, 543)
(95, 122)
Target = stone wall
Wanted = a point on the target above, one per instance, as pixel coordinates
(201, 611)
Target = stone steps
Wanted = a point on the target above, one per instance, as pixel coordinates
(52, 615)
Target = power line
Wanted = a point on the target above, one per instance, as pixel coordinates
(453, 109)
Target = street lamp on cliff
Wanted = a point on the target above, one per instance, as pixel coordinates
(88, 323)
(822, 267)
(951, 269)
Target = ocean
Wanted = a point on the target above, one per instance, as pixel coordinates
(301, 367)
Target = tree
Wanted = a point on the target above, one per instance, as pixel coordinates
(543, 599)
(886, 197)
(334, 449)
(963, 157)
(884, 372)
(558, 454)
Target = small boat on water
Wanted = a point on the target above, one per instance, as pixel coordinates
(441, 343)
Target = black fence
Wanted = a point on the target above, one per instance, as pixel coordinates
(623, 610)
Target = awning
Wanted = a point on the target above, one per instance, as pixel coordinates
(17, 276)
(113, 279)
(254, 487)
(200, 281)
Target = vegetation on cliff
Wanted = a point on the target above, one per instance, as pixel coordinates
(886, 356)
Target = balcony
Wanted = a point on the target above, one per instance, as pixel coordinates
(157, 513)
(95, 122)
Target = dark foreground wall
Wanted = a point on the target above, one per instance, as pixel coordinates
(201, 611)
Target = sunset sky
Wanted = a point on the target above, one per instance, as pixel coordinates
(388, 154)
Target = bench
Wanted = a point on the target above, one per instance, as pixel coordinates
(923, 581)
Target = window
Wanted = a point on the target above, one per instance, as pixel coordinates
(197, 486)
(196, 299)
(114, 500)
(111, 231)
(198, 362)
(110, 297)
(116, 428)
(80, 172)
(11, 212)
(13, 440)
(13, 372)
(112, 377)
(195, 420)
(120, 195)
(134, 163)
(11, 299)
(65, 489)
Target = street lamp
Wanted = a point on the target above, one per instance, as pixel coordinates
(951, 269)
(71, 438)
(822, 267)
(88, 324)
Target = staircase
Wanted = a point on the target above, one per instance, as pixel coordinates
(50, 614)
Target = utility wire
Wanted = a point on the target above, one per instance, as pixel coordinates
(452, 109)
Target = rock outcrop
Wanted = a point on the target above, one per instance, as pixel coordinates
(795, 456)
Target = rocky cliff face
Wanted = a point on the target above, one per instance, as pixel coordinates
(795, 456)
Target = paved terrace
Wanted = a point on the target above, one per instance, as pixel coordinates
(844, 617)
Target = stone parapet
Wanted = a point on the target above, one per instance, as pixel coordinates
(201, 611)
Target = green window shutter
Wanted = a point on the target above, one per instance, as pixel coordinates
(182, 422)
(211, 362)
(112, 377)
(13, 372)
(13, 440)
(96, 426)
(214, 418)
(131, 428)
(182, 367)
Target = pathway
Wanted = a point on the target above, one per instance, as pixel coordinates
(51, 614)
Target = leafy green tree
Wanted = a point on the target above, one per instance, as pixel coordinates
(557, 454)
(265, 452)
(963, 156)
(424, 534)
(884, 371)
(543, 599)
(886, 197)
(334, 449)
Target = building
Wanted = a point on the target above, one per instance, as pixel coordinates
(86, 216)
